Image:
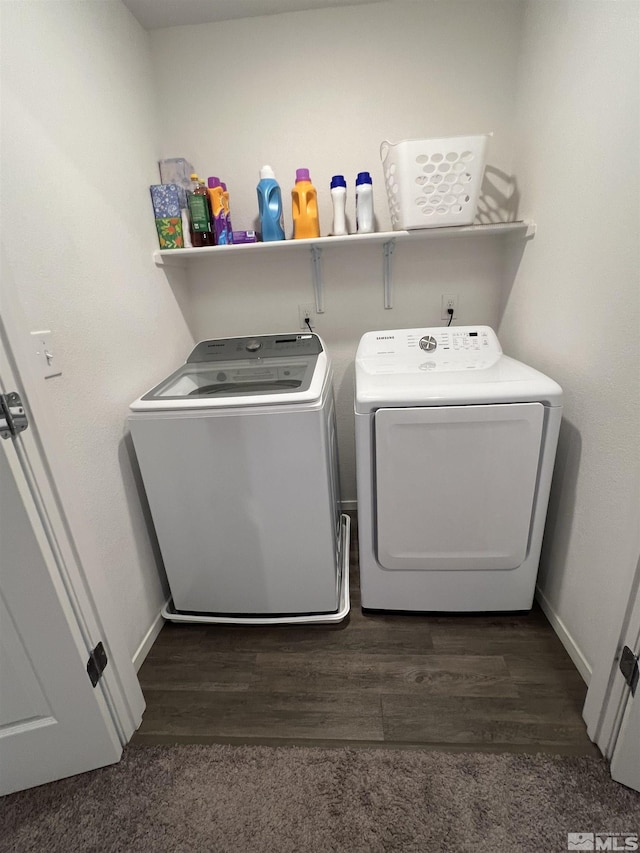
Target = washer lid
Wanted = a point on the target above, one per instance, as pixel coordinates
(442, 367)
(265, 370)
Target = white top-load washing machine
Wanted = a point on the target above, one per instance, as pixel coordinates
(238, 456)
(455, 446)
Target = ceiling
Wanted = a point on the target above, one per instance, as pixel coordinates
(156, 14)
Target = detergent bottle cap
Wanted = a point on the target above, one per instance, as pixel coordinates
(302, 175)
(267, 172)
(213, 182)
(338, 181)
(223, 185)
(363, 178)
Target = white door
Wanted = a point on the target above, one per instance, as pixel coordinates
(625, 761)
(53, 722)
(612, 709)
(625, 758)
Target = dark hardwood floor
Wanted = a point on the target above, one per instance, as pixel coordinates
(500, 682)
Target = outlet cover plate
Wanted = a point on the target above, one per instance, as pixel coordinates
(307, 309)
(449, 300)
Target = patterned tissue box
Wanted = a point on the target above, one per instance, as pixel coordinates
(167, 200)
(170, 232)
(176, 170)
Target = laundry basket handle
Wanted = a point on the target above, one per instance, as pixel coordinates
(384, 150)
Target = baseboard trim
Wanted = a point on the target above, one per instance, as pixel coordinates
(147, 641)
(565, 637)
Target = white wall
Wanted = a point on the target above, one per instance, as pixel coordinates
(322, 89)
(78, 153)
(573, 311)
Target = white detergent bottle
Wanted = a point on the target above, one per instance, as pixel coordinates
(339, 200)
(364, 203)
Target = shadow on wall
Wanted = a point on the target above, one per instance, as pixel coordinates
(177, 278)
(561, 512)
(499, 197)
(344, 398)
(514, 248)
(137, 501)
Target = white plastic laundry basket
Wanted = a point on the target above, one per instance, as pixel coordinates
(433, 182)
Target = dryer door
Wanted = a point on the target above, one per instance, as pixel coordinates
(455, 485)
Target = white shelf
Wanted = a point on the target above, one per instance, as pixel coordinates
(185, 257)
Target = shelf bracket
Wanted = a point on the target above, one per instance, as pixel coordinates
(388, 249)
(316, 273)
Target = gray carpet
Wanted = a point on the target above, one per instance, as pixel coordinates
(242, 799)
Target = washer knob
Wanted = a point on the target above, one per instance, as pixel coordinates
(428, 343)
(253, 345)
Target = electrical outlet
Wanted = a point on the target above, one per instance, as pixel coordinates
(449, 300)
(306, 311)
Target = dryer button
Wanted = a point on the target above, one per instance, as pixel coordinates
(428, 343)
(253, 345)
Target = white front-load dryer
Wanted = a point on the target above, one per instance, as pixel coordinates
(455, 446)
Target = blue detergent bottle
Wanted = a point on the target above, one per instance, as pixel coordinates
(270, 206)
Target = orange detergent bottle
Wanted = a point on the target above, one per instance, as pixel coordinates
(305, 207)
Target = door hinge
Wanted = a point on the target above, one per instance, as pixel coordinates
(96, 664)
(13, 418)
(629, 668)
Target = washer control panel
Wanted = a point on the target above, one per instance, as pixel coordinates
(260, 346)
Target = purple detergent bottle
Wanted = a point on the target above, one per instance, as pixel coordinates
(216, 200)
(227, 212)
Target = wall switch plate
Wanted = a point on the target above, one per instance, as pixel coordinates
(449, 300)
(306, 310)
(45, 349)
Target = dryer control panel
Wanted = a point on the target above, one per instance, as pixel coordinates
(448, 348)
(457, 340)
(443, 366)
